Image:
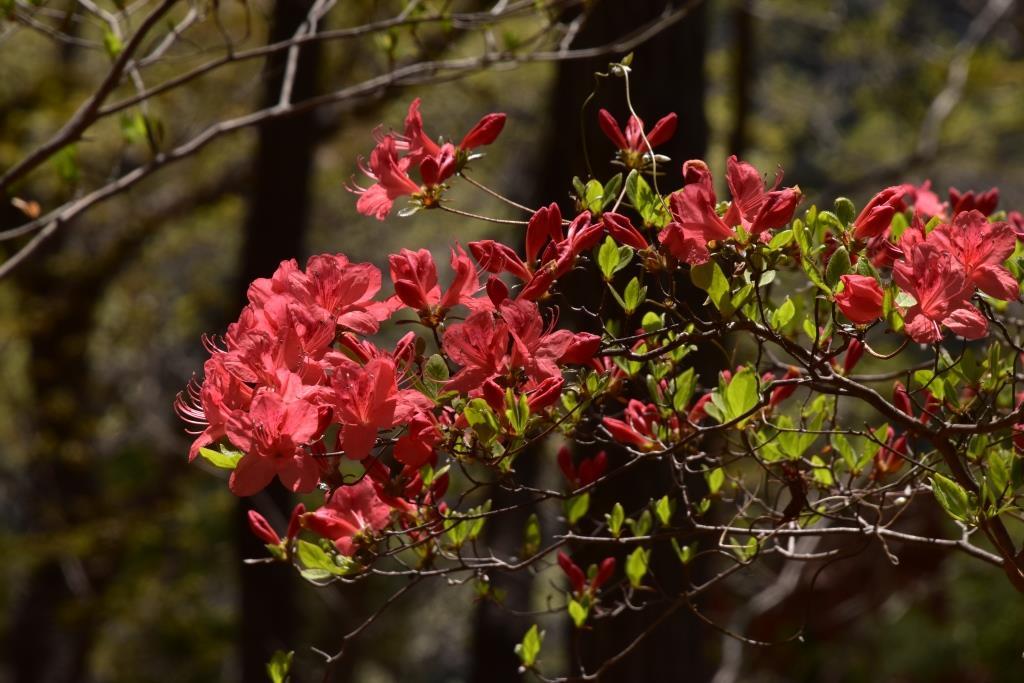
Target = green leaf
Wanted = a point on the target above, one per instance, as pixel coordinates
(615, 520)
(576, 507)
(952, 497)
(482, 419)
(838, 266)
(709, 277)
(611, 190)
(664, 509)
(642, 525)
(280, 665)
(648, 204)
(684, 553)
(318, 564)
(780, 240)
(593, 197)
(783, 314)
(531, 536)
(529, 648)
(608, 258)
(113, 44)
(904, 299)
(715, 479)
(741, 394)
(636, 566)
(685, 385)
(578, 613)
(634, 295)
(845, 210)
(517, 412)
(226, 460)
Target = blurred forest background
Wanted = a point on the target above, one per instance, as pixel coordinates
(121, 562)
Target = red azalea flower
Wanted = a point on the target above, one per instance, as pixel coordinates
(981, 248)
(632, 141)
(754, 207)
(391, 176)
(984, 202)
(366, 399)
(877, 215)
(352, 513)
(861, 298)
(272, 434)
(937, 281)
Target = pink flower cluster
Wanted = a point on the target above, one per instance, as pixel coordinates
(396, 156)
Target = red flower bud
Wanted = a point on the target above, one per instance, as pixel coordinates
(861, 298)
(295, 523)
(876, 217)
(604, 572)
(623, 231)
(566, 465)
(784, 391)
(262, 529)
(591, 469)
(577, 579)
(484, 132)
(581, 349)
(853, 353)
(901, 399)
(545, 394)
(497, 291)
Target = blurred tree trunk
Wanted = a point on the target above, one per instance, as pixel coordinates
(275, 226)
(743, 77)
(667, 76)
(276, 221)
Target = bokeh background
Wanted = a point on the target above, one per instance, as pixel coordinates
(121, 562)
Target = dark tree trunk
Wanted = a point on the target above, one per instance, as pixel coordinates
(277, 220)
(667, 76)
(743, 78)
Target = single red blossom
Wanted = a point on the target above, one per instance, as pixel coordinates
(544, 225)
(854, 351)
(695, 222)
(754, 207)
(391, 180)
(344, 291)
(861, 298)
(261, 528)
(498, 258)
(983, 202)
(415, 448)
(544, 394)
(605, 571)
(939, 285)
(352, 514)
(783, 391)
(577, 579)
(877, 215)
(623, 231)
(632, 141)
(639, 427)
(366, 400)
(582, 348)
(589, 471)
(1016, 221)
(927, 203)
(272, 434)
(981, 248)
(479, 345)
(295, 522)
(901, 399)
(697, 412)
(536, 348)
(890, 457)
(414, 275)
